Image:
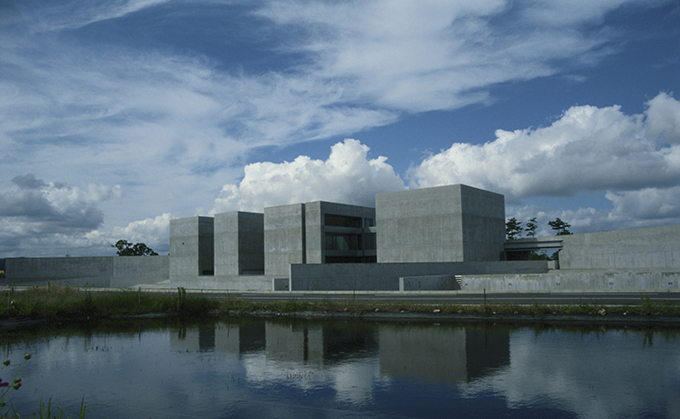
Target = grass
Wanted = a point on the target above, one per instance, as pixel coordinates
(73, 303)
(77, 304)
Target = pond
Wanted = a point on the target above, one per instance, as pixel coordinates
(246, 368)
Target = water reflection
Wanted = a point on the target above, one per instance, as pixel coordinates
(248, 368)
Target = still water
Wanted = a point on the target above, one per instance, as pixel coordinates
(285, 369)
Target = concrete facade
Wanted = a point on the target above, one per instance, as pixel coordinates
(655, 247)
(192, 247)
(284, 238)
(239, 243)
(339, 233)
(455, 223)
(316, 233)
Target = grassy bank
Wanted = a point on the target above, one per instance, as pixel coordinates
(73, 303)
(76, 304)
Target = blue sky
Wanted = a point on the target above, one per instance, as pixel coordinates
(116, 116)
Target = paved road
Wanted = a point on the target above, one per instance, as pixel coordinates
(467, 297)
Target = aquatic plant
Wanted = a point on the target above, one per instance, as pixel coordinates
(45, 410)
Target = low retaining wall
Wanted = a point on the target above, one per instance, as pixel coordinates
(385, 276)
(102, 272)
(586, 280)
(71, 271)
(225, 282)
(128, 271)
(429, 283)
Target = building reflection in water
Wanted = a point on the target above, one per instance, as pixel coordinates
(442, 354)
(429, 353)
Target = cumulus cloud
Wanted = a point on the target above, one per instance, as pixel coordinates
(151, 231)
(56, 206)
(34, 210)
(347, 176)
(586, 149)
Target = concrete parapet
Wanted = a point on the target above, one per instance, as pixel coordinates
(428, 283)
(585, 280)
(224, 282)
(385, 276)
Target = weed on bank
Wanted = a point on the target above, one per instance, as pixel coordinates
(74, 303)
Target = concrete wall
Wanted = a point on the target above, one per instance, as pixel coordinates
(116, 271)
(483, 219)
(225, 282)
(239, 243)
(134, 270)
(429, 283)
(71, 271)
(191, 247)
(284, 238)
(385, 276)
(656, 247)
(452, 223)
(586, 280)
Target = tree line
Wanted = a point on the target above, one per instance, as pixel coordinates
(514, 229)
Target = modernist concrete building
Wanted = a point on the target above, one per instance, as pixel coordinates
(443, 238)
(455, 223)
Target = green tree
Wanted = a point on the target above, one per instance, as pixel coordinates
(126, 248)
(532, 226)
(513, 229)
(561, 227)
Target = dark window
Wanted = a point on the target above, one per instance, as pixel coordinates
(342, 221)
(336, 241)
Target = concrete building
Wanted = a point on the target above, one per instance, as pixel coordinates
(315, 233)
(443, 238)
(454, 223)
(239, 244)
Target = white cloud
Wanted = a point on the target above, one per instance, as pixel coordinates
(50, 216)
(587, 149)
(347, 176)
(420, 56)
(663, 118)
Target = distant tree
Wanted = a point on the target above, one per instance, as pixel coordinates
(126, 248)
(513, 229)
(531, 227)
(561, 227)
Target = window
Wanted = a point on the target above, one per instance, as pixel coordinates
(336, 241)
(342, 221)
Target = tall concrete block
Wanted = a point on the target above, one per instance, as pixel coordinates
(239, 243)
(192, 247)
(452, 223)
(284, 238)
